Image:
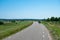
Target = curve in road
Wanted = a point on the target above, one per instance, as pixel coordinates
(34, 32)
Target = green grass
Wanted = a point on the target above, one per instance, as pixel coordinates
(11, 28)
(54, 28)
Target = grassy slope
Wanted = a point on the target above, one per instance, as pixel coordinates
(54, 28)
(10, 28)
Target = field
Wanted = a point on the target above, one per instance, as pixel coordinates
(11, 28)
(54, 28)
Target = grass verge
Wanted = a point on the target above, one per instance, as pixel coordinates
(54, 28)
(11, 28)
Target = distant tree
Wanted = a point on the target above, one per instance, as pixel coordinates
(1, 23)
(59, 18)
(48, 19)
(56, 19)
(13, 21)
(52, 18)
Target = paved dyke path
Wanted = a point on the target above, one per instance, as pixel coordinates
(34, 32)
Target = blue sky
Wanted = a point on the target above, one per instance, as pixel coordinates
(29, 9)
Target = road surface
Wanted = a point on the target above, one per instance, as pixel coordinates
(34, 32)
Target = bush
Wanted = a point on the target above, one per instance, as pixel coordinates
(1, 23)
(13, 21)
(39, 21)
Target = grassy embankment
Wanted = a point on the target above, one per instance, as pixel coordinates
(54, 28)
(10, 28)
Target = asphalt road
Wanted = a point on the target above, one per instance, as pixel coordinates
(34, 32)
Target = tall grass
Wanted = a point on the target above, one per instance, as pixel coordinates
(54, 28)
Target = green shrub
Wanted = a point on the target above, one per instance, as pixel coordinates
(1, 23)
(39, 21)
(13, 21)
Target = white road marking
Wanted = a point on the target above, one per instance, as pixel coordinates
(43, 32)
(43, 36)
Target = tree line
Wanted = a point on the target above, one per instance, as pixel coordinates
(53, 19)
